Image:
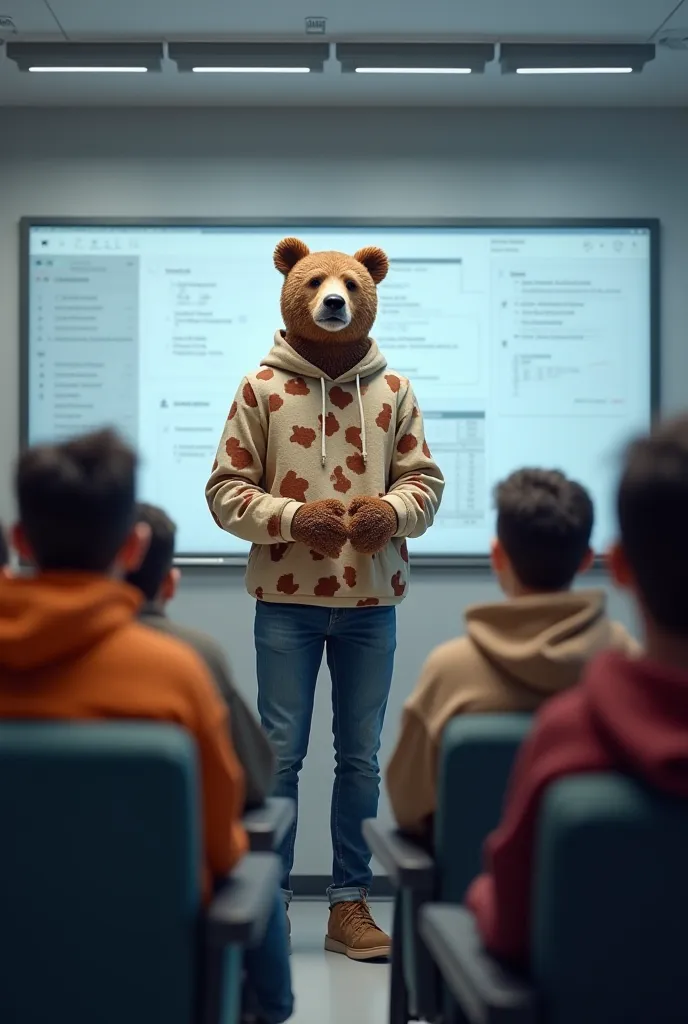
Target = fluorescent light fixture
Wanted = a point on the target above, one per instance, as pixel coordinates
(413, 71)
(249, 58)
(574, 71)
(86, 58)
(46, 69)
(251, 71)
(574, 58)
(414, 58)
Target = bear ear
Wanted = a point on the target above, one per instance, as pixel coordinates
(375, 261)
(288, 252)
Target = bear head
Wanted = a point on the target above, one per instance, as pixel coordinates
(329, 295)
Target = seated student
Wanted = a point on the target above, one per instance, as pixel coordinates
(627, 715)
(71, 648)
(518, 652)
(158, 580)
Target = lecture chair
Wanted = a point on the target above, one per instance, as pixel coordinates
(267, 825)
(610, 910)
(102, 917)
(475, 763)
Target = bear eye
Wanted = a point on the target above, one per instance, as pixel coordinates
(315, 282)
(351, 286)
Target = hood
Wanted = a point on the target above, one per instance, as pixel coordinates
(283, 357)
(639, 709)
(542, 640)
(58, 616)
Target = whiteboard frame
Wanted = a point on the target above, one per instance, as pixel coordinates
(28, 223)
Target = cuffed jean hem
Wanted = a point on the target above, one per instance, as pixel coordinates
(348, 895)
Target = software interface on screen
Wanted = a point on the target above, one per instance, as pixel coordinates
(525, 346)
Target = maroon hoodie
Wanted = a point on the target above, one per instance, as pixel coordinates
(626, 715)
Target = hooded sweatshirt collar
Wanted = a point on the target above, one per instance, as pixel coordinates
(57, 616)
(283, 357)
(542, 639)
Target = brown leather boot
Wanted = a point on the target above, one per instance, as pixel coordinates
(352, 931)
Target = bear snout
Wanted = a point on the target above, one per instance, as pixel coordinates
(332, 312)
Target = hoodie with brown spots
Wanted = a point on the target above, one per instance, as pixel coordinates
(295, 435)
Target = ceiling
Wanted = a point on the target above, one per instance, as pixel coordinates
(664, 82)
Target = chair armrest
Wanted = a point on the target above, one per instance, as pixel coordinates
(240, 910)
(486, 991)
(408, 865)
(267, 825)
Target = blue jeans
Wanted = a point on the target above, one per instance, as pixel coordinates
(360, 643)
(268, 973)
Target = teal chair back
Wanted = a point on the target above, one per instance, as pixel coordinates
(610, 911)
(477, 755)
(100, 874)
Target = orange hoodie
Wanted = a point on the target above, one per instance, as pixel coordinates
(70, 648)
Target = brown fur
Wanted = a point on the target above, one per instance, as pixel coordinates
(372, 524)
(332, 352)
(320, 525)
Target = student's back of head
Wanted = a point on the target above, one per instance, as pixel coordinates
(544, 524)
(76, 502)
(155, 577)
(652, 556)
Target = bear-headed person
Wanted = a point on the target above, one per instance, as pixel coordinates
(323, 466)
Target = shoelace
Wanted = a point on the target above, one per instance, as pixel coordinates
(357, 917)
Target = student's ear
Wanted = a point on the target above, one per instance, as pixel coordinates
(586, 562)
(134, 549)
(170, 584)
(619, 569)
(498, 556)
(20, 543)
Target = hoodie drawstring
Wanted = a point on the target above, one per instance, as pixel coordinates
(323, 433)
(323, 446)
(364, 445)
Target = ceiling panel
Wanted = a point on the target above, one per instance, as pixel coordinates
(664, 82)
(494, 18)
(31, 17)
(677, 24)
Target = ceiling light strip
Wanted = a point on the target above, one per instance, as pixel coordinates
(85, 69)
(221, 70)
(574, 71)
(413, 71)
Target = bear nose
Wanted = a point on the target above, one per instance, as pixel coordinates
(333, 302)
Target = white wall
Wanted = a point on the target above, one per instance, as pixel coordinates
(549, 163)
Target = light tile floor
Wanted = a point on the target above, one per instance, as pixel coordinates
(330, 988)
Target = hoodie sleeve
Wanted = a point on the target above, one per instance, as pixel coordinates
(221, 776)
(412, 774)
(237, 500)
(415, 480)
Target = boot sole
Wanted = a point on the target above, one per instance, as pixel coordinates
(376, 953)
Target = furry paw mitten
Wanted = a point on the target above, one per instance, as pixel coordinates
(320, 525)
(372, 523)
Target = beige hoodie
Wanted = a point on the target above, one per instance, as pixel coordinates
(274, 456)
(517, 654)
